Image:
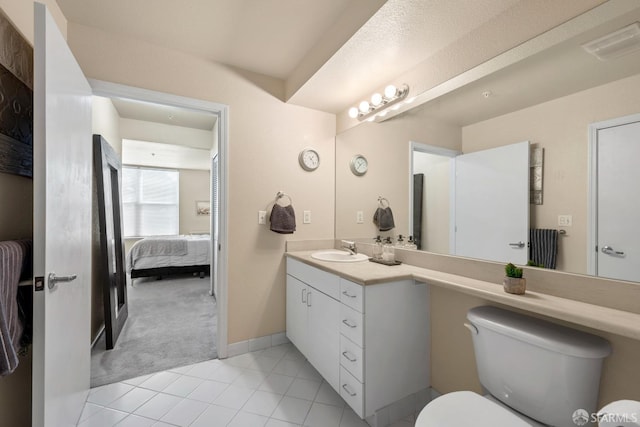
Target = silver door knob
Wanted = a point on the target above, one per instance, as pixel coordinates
(610, 251)
(53, 279)
(517, 245)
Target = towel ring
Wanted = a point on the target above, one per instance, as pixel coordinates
(381, 201)
(282, 194)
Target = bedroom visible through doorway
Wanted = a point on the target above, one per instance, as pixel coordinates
(172, 322)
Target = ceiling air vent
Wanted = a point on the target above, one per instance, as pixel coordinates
(615, 44)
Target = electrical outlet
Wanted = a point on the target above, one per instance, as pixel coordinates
(565, 220)
(262, 217)
(359, 217)
(306, 219)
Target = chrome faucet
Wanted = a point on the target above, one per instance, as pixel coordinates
(349, 246)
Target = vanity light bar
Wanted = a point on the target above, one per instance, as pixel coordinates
(615, 44)
(368, 110)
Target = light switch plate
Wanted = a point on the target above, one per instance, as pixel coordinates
(262, 217)
(565, 220)
(306, 217)
(359, 217)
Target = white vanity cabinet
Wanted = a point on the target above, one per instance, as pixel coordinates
(370, 343)
(313, 309)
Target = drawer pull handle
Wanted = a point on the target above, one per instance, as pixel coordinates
(347, 294)
(308, 299)
(304, 294)
(349, 324)
(348, 356)
(349, 392)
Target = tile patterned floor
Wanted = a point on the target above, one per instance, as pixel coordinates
(275, 387)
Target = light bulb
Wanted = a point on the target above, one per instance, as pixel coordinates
(390, 91)
(376, 99)
(353, 112)
(364, 107)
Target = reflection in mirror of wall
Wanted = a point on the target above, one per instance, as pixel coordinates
(550, 98)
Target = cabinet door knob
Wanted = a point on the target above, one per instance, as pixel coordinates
(349, 324)
(346, 388)
(348, 294)
(348, 356)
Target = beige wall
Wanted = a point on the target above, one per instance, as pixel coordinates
(194, 186)
(386, 147)
(561, 128)
(158, 132)
(16, 213)
(265, 137)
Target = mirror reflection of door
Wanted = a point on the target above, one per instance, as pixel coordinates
(483, 197)
(617, 235)
(108, 171)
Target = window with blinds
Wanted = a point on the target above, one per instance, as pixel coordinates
(150, 201)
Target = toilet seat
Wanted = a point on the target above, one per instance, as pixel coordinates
(466, 408)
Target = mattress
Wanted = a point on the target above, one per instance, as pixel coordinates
(157, 252)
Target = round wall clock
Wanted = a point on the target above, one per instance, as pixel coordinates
(359, 165)
(309, 159)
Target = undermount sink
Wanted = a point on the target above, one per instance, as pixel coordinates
(338, 256)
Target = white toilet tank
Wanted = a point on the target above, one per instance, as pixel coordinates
(541, 369)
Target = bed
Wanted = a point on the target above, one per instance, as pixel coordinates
(162, 256)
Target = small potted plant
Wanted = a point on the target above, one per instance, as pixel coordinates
(514, 283)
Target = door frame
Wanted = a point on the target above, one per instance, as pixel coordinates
(111, 90)
(592, 196)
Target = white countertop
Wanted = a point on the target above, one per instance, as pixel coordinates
(593, 316)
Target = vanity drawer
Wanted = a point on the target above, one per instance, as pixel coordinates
(326, 283)
(351, 324)
(352, 391)
(351, 358)
(352, 295)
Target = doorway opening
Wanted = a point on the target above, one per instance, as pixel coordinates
(199, 221)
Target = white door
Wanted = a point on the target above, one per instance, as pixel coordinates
(618, 234)
(492, 204)
(62, 155)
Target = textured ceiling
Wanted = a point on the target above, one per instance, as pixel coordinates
(279, 38)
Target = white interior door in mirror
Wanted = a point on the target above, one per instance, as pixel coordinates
(492, 204)
(62, 228)
(618, 234)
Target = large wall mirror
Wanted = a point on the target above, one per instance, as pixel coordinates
(549, 98)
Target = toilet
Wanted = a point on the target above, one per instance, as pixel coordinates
(534, 373)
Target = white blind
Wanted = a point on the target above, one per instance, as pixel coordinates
(150, 199)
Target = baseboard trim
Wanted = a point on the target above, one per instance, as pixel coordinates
(255, 344)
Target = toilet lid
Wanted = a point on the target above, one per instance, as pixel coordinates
(466, 408)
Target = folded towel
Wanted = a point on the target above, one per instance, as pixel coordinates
(543, 247)
(11, 262)
(383, 218)
(283, 219)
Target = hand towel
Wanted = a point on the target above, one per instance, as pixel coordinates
(283, 219)
(543, 247)
(11, 258)
(383, 219)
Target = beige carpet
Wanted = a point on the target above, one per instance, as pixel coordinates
(172, 322)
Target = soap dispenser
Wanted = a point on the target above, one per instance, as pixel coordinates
(400, 242)
(388, 252)
(411, 244)
(377, 248)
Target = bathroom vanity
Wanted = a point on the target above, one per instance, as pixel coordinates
(370, 343)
